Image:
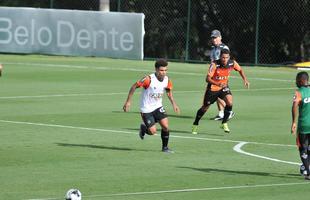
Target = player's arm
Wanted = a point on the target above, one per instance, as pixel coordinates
(144, 82)
(171, 98)
(129, 97)
(174, 104)
(296, 103)
(245, 80)
(242, 74)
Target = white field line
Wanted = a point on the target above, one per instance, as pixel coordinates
(238, 149)
(131, 69)
(188, 190)
(129, 132)
(125, 93)
(64, 126)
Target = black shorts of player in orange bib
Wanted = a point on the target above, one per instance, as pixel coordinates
(211, 96)
(151, 118)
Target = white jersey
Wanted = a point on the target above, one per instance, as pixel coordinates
(152, 95)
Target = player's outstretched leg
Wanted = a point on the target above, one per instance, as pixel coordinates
(199, 115)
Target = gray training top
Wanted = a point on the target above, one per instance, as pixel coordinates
(216, 51)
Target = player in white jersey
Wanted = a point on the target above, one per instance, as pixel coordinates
(151, 107)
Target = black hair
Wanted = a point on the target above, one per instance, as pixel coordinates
(302, 76)
(161, 63)
(225, 51)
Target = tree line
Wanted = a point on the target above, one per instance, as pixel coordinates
(257, 31)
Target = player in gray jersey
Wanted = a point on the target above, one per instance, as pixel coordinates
(216, 48)
(216, 51)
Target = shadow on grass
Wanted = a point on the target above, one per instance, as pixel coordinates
(100, 147)
(178, 131)
(251, 173)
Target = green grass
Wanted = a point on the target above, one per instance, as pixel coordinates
(62, 127)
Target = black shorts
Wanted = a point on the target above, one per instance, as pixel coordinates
(211, 96)
(303, 141)
(151, 118)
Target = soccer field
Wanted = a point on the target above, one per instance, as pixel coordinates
(62, 127)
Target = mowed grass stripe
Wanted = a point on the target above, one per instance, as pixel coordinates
(134, 70)
(125, 93)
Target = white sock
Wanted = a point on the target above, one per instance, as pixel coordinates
(221, 113)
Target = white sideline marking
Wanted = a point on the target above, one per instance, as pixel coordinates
(129, 132)
(125, 93)
(238, 149)
(187, 190)
(130, 69)
(64, 126)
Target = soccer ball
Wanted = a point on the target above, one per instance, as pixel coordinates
(73, 194)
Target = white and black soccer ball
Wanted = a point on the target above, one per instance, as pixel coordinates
(73, 194)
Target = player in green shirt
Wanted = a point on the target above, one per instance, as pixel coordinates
(301, 109)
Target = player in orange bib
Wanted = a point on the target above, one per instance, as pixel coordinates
(217, 79)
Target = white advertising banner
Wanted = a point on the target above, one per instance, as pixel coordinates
(71, 32)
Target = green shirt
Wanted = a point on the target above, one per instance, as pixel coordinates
(304, 111)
